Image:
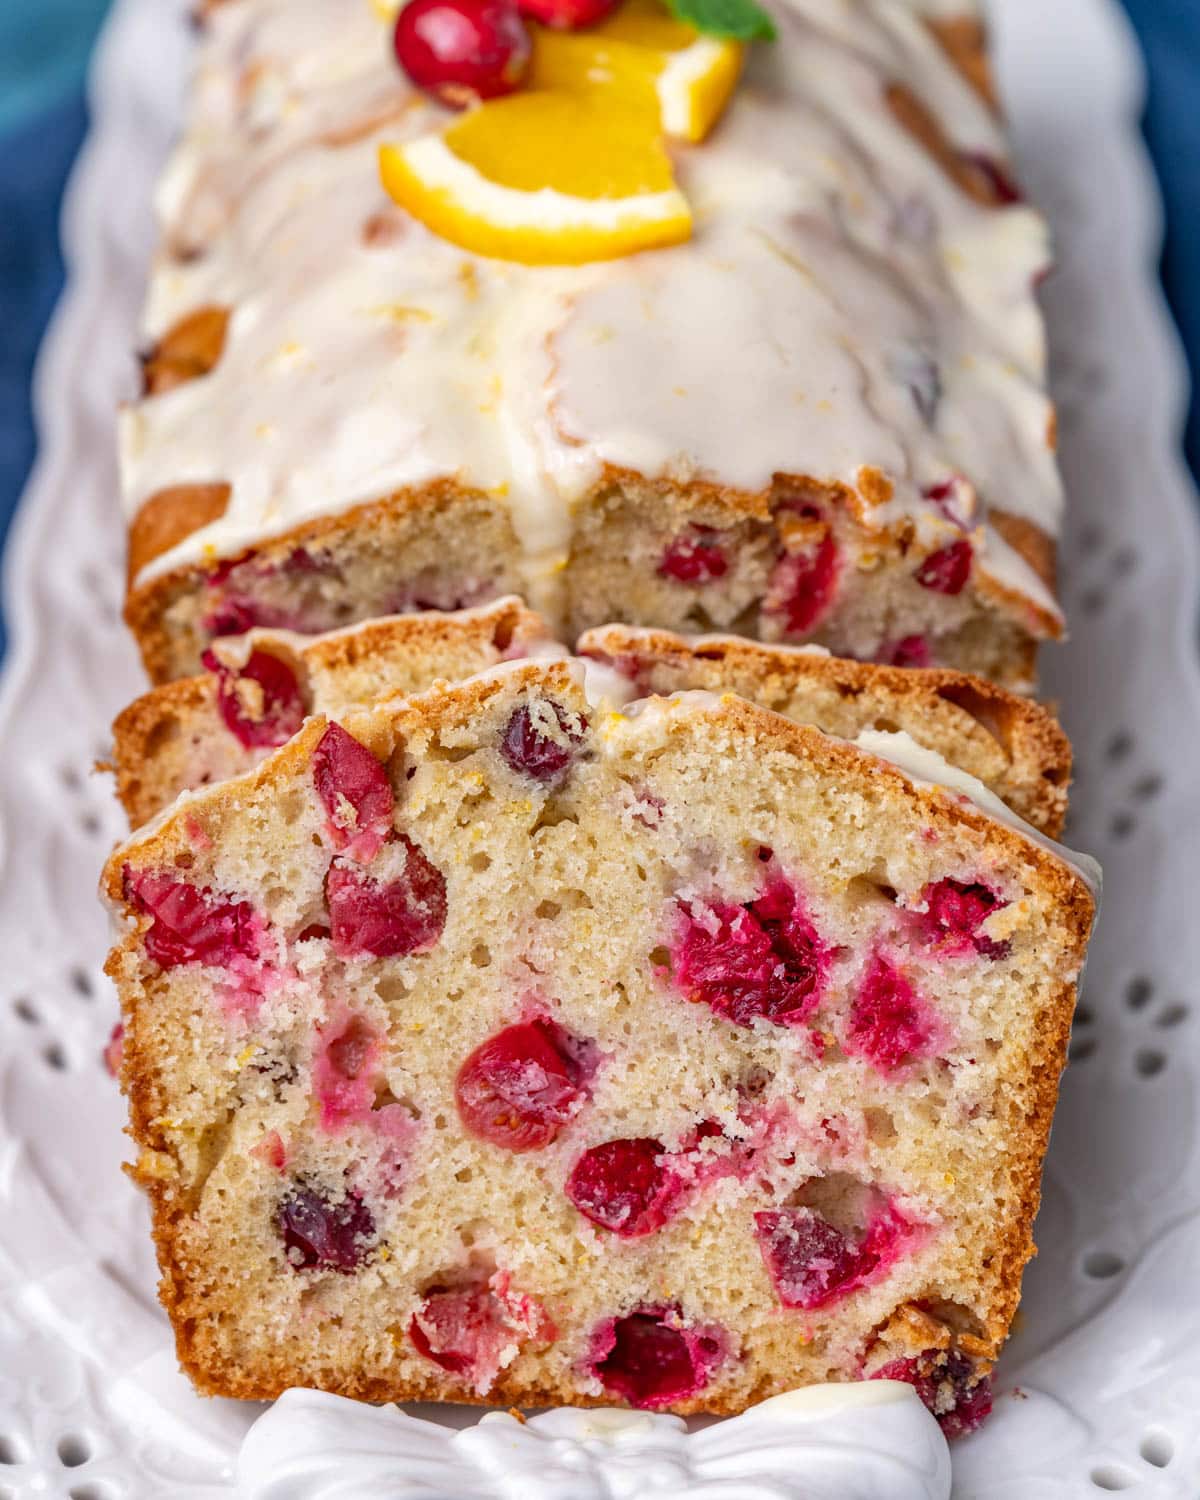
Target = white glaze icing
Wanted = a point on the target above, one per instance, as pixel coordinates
(872, 1441)
(832, 260)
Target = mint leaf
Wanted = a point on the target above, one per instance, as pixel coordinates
(740, 20)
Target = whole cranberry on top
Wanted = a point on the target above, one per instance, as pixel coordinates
(462, 50)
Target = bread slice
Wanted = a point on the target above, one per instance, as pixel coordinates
(195, 731)
(259, 688)
(496, 1046)
(1016, 747)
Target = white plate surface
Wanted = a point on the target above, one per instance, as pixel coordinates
(1106, 1362)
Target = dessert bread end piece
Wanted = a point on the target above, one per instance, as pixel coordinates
(494, 1047)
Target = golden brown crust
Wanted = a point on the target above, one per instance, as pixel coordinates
(1027, 538)
(967, 174)
(1028, 1104)
(949, 711)
(169, 516)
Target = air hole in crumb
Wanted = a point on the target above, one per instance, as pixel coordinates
(881, 1127)
(55, 1057)
(1122, 825)
(1149, 1062)
(1138, 993)
(1174, 1015)
(1112, 1477)
(1102, 1265)
(25, 1011)
(439, 1122)
(886, 726)
(74, 1449)
(480, 862)
(548, 910)
(660, 958)
(868, 888)
(1158, 1448)
(184, 860)
(1119, 746)
(481, 955)
(464, 1174)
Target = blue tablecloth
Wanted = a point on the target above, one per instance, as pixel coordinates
(44, 46)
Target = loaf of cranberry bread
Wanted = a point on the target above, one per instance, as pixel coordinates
(822, 418)
(258, 689)
(493, 1045)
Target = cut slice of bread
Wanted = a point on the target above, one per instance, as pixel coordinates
(199, 730)
(494, 1045)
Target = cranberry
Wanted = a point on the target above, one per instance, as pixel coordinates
(233, 616)
(261, 702)
(955, 910)
(947, 571)
(467, 1330)
(520, 1087)
(568, 15)
(387, 921)
(909, 651)
(190, 924)
(625, 1186)
(955, 498)
(763, 960)
(995, 178)
(650, 1359)
(812, 1263)
(948, 1384)
(355, 790)
(344, 1070)
(802, 584)
(889, 1023)
(530, 750)
(462, 50)
(321, 1235)
(694, 558)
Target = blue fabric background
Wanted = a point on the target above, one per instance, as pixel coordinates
(44, 46)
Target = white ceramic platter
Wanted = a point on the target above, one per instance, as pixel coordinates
(1107, 1357)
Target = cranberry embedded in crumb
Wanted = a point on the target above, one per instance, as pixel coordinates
(462, 50)
(472, 1330)
(231, 617)
(539, 741)
(994, 177)
(626, 1186)
(763, 960)
(802, 585)
(114, 1050)
(190, 923)
(355, 790)
(947, 571)
(325, 1236)
(949, 1385)
(812, 1263)
(909, 651)
(261, 703)
(345, 1067)
(520, 1087)
(694, 557)
(889, 1022)
(386, 921)
(954, 912)
(651, 1358)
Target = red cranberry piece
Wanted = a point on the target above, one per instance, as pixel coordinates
(947, 571)
(528, 747)
(763, 960)
(802, 586)
(325, 1236)
(520, 1087)
(694, 557)
(261, 702)
(387, 921)
(651, 1359)
(354, 788)
(949, 1385)
(344, 1069)
(625, 1186)
(567, 15)
(889, 1022)
(955, 498)
(191, 924)
(468, 1329)
(996, 176)
(810, 1262)
(955, 910)
(233, 616)
(909, 651)
(462, 50)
